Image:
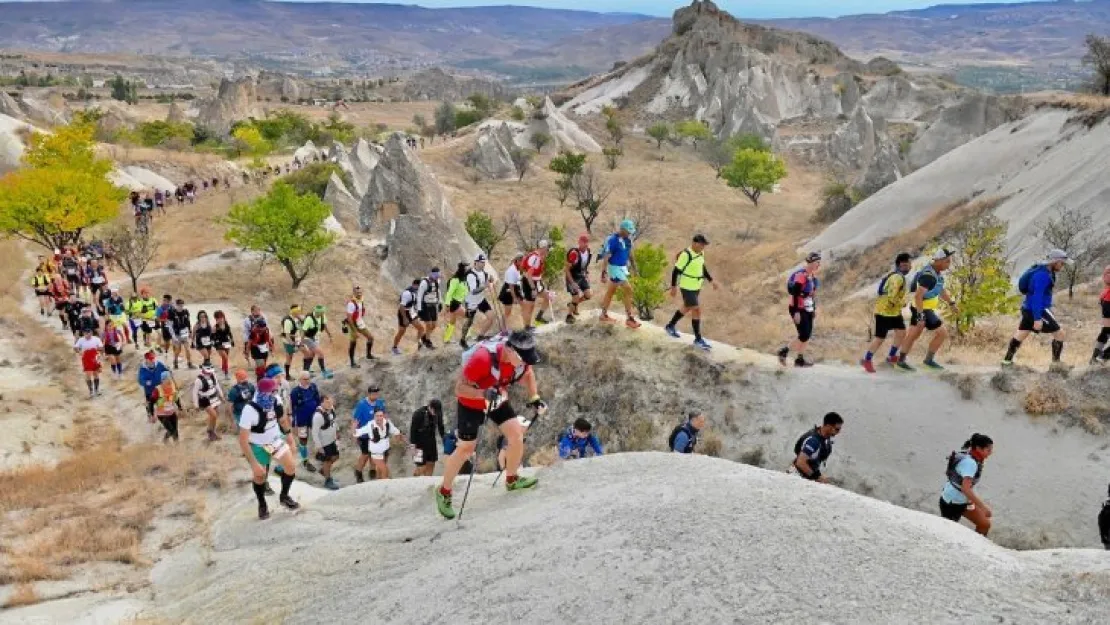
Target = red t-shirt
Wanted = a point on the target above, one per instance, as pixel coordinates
(1105, 294)
(478, 371)
(533, 266)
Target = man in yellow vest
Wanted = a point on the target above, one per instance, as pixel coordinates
(688, 275)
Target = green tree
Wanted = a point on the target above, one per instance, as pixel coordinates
(466, 117)
(616, 133)
(612, 157)
(517, 114)
(53, 206)
(750, 142)
(648, 291)
(568, 165)
(660, 132)
(556, 256)
(445, 118)
(123, 90)
(420, 122)
(341, 131)
(313, 178)
(979, 281)
(754, 173)
(284, 226)
(248, 140)
(159, 132)
(485, 233)
(539, 140)
(483, 105)
(694, 130)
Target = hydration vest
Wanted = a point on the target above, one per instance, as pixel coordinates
(690, 432)
(954, 478)
(431, 291)
(207, 384)
(411, 303)
(289, 322)
(934, 292)
(264, 416)
(693, 272)
(578, 267)
(310, 326)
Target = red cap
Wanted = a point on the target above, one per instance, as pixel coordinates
(150, 355)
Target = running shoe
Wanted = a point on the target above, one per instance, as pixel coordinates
(605, 318)
(631, 323)
(671, 332)
(308, 466)
(932, 365)
(521, 483)
(802, 363)
(1010, 363)
(212, 436)
(868, 366)
(289, 502)
(783, 354)
(269, 489)
(702, 344)
(355, 365)
(443, 504)
(327, 374)
(904, 366)
(570, 320)
(263, 513)
(396, 351)
(892, 360)
(330, 484)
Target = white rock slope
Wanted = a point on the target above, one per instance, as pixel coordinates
(633, 538)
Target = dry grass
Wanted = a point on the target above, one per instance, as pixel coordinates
(1046, 397)
(24, 595)
(710, 444)
(125, 155)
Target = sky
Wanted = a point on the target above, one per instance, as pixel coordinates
(739, 8)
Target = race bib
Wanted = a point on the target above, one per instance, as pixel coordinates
(808, 304)
(418, 456)
(263, 349)
(225, 346)
(205, 341)
(360, 324)
(183, 334)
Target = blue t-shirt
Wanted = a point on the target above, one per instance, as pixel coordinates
(964, 468)
(617, 249)
(365, 410)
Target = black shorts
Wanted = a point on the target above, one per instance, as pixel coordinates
(329, 452)
(73, 279)
(932, 319)
(257, 355)
(404, 318)
(145, 327)
(1106, 310)
(482, 307)
(952, 511)
(429, 313)
(364, 444)
(804, 325)
(167, 333)
(112, 350)
(95, 288)
(527, 291)
(429, 455)
(690, 298)
(1049, 324)
(884, 324)
(46, 293)
(505, 296)
(582, 283)
(470, 419)
(454, 306)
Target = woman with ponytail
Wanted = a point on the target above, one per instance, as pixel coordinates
(965, 467)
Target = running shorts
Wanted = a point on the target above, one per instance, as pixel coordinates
(310, 344)
(404, 318)
(1106, 310)
(329, 452)
(884, 324)
(527, 291)
(167, 334)
(454, 306)
(1049, 324)
(182, 337)
(470, 419)
(690, 298)
(425, 454)
(259, 354)
(263, 453)
(931, 318)
(113, 350)
(804, 325)
(506, 295)
(618, 274)
(482, 307)
(582, 283)
(209, 402)
(429, 313)
(952, 511)
(290, 348)
(46, 292)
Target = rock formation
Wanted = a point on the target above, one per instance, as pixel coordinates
(12, 131)
(344, 206)
(492, 152)
(436, 84)
(236, 100)
(305, 153)
(176, 114)
(364, 158)
(282, 87)
(47, 111)
(972, 116)
(565, 134)
(9, 107)
(406, 202)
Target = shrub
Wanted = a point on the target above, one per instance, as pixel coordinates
(1047, 397)
(313, 178)
(659, 132)
(648, 292)
(612, 157)
(517, 114)
(754, 172)
(485, 233)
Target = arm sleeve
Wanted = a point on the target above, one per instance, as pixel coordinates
(675, 273)
(564, 446)
(596, 445)
(680, 442)
(421, 291)
(439, 425)
(705, 273)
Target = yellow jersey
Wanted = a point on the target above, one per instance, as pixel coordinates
(892, 295)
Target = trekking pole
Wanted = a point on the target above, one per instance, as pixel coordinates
(535, 417)
(473, 468)
(498, 311)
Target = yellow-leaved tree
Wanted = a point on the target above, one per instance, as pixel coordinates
(61, 191)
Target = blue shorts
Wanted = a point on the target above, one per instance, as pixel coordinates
(618, 274)
(303, 421)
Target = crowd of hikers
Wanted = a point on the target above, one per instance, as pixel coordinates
(280, 423)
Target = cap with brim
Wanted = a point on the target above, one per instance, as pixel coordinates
(525, 346)
(628, 226)
(320, 309)
(943, 253)
(813, 257)
(374, 388)
(150, 355)
(1059, 255)
(480, 258)
(241, 375)
(267, 385)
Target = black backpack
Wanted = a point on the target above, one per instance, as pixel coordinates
(674, 435)
(802, 439)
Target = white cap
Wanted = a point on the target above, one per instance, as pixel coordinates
(544, 244)
(943, 253)
(1058, 255)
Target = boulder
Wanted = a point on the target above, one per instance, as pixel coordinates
(236, 100)
(344, 206)
(176, 114)
(492, 152)
(340, 156)
(305, 153)
(565, 134)
(405, 200)
(364, 158)
(971, 117)
(9, 107)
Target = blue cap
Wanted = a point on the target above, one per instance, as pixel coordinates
(274, 371)
(628, 226)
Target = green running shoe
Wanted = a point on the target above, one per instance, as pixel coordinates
(902, 365)
(932, 365)
(521, 483)
(1007, 363)
(443, 504)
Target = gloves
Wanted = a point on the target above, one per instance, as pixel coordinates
(494, 399)
(538, 405)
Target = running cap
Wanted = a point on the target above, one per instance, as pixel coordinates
(180, 302)
(480, 258)
(294, 308)
(700, 238)
(166, 375)
(149, 355)
(525, 345)
(628, 226)
(943, 253)
(241, 375)
(206, 367)
(320, 308)
(1058, 255)
(435, 271)
(267, 385)
(813, 257)
(274, 371)
(544, 244)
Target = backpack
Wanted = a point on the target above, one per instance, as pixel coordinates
(882, 283)
(789, 280)
(802, 439)
(682, 427)
(956, 479)
(1026, 279)
(494, 346)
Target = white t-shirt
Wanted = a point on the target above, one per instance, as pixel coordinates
(91, 343)
(357, 311)
(512, 275)
(249, 418)
(476, 281)
(384, 433)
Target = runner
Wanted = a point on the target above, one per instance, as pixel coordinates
(617, 268)
(888, 312)
(577, 276)
(578, 441)
(928, 291)
(1101, 354)
(208, 396)
(478, 283)
(167, 405)
(455, 298)
(181, 327)
(355, 325)
(482, 392)
(426, 421)
(89, 347)
(59, 292)
(149, 377)
(259, 345)
(512, 290)
(531, 283)
(364, 412)
(95, 279)
(115, 309)
(407, 316)
(160, 201)
(165, 326)
(291, 338)
(277, 373)
(1036, 286)
(313, 324)
(965, 467)
(202, 337)
(40, 282)
(248, 325)
(688, 275)
(115, 340)
(430, 302)
(146, 312)
(325, 438)
(239, 394)
(84, 321)
(304, 399)
(264, 436)
(223, 339)
(813, 448)
(380, 434)
(802, 287)
(72, 271)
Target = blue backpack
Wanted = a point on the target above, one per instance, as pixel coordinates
(1024, 282)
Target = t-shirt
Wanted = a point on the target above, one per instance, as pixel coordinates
(478, 372)
(892, 299)
(366, 409)
(476, 282)
(381, 432)
(816, 450)
(967, 467)
(618, 249)
(250, 417)
(533, 265)
(456, 290)
(90, 350)
(512, 275)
